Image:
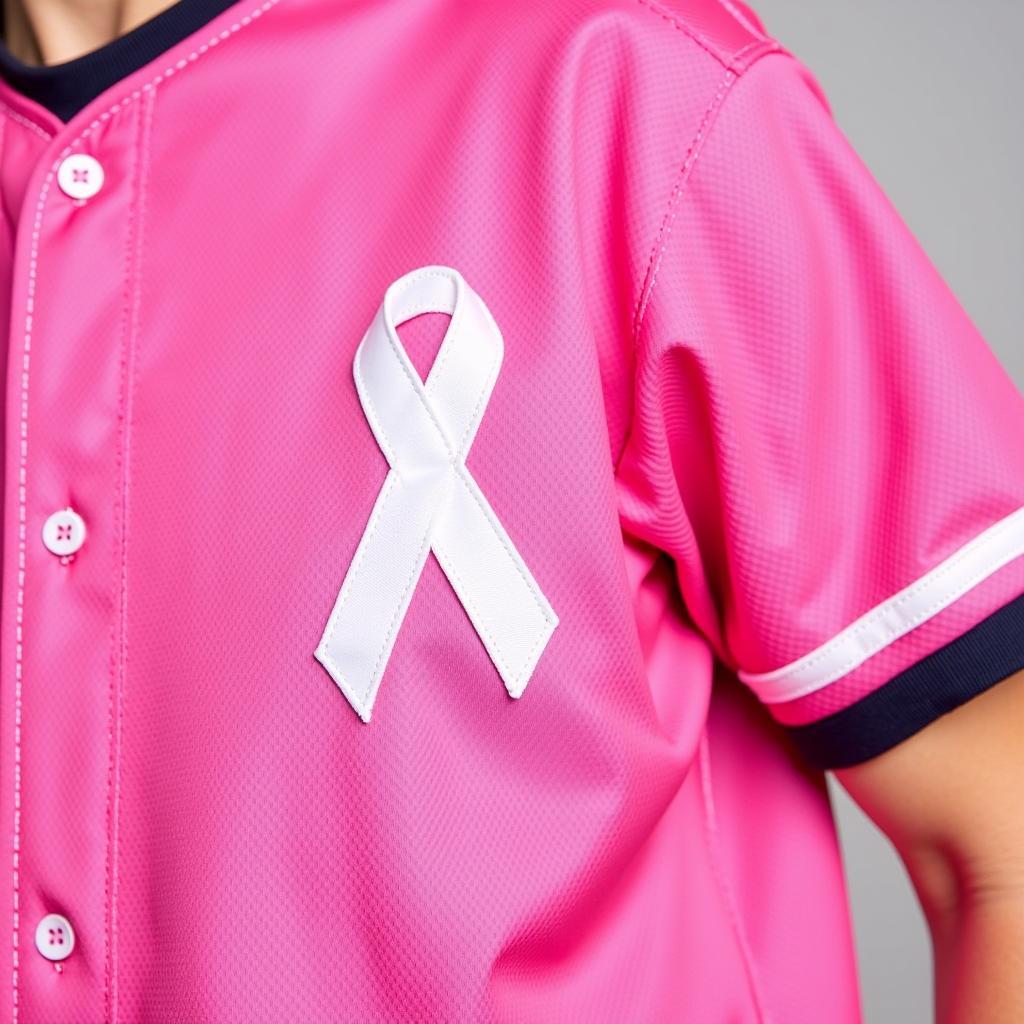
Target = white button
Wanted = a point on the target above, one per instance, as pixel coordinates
(64, 532)
(80, 175)
(55, 938)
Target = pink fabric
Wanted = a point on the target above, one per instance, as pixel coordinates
(737, 408)
(817, 422)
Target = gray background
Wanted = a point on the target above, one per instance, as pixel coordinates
(930, 93)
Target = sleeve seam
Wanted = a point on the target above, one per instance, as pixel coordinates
(734, 71)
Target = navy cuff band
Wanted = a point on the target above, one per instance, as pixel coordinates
(983, 656)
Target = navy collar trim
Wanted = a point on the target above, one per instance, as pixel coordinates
(66, 88)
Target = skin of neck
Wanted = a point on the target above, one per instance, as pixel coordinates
(43, 32)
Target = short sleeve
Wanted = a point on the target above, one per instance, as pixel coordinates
(821, 440)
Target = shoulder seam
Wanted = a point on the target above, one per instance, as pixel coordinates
(736, 61)
(693, 150)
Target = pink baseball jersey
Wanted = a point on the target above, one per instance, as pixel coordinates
(468, 469)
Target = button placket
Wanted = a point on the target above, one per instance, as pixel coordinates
(74, 264)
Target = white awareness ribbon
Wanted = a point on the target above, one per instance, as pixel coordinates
(429, 501)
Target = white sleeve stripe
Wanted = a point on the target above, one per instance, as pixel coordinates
(999, 545)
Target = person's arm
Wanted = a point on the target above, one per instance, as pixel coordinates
(830, 451)
(951, 800)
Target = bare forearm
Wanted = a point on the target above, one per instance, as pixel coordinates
(950, 800)
(979, 961)
(975, 910)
